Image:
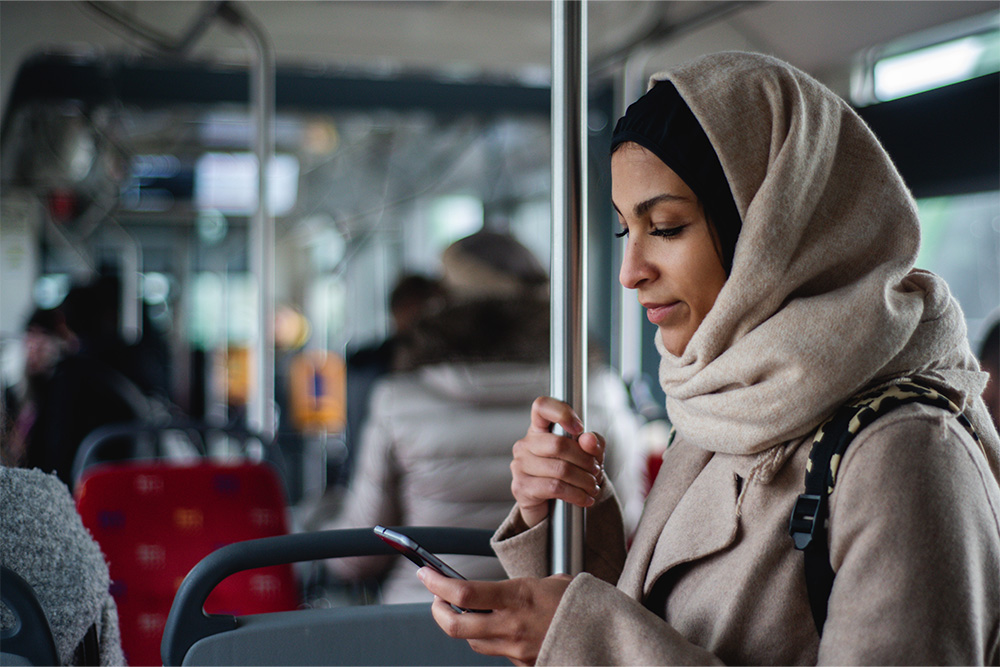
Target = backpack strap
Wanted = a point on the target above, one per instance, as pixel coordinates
(808, 523)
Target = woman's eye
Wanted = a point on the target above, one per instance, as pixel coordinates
(664, 232)
(668, 232)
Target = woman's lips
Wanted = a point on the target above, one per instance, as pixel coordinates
(656, 313)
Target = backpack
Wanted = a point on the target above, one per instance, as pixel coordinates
(808, 523)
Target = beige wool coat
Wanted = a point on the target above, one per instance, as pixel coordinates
(822, 303)
(915, 542)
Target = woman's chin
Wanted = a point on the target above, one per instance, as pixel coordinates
(675, 342)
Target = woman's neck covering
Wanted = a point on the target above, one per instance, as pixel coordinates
(822, 300)
(662, 123)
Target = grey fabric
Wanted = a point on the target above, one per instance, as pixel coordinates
(46, 543)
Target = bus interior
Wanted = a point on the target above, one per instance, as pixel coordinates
(132, 134)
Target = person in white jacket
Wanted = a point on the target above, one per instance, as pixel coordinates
(437, 444)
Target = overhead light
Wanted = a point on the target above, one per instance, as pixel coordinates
(928, 59)
(227, 182)
(928, 68)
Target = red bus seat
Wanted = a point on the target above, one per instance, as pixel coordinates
(154, 521)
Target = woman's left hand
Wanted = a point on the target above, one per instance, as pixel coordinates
(522, 610)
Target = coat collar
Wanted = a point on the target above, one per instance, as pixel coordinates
(691, 512)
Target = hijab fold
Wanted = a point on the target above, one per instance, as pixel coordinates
(822, 300)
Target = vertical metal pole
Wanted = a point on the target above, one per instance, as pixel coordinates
(569, 251)
(260, 413)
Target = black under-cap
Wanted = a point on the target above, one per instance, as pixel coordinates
(662, 122)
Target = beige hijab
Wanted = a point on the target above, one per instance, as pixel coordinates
(822, 300)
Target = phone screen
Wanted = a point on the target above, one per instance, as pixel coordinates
(420, 557)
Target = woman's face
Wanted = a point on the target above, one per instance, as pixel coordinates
(671, 257)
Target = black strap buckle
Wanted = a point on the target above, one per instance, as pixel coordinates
(808, 521)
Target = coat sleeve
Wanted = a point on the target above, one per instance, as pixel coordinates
(915, 543)
(523, 551)
(373, 495)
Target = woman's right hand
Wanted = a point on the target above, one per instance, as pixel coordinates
(548, 467)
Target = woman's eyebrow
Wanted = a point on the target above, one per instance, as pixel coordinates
(644, 206)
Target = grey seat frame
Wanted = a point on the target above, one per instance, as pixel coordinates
(403, 634)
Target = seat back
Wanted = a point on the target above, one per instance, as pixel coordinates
(29, 641)
(154, 521)
(174, 439)
(403, 634)
(393, 634)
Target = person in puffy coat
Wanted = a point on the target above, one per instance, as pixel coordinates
(772, 243)
(436, 448)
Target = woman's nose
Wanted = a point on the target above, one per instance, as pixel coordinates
(634, 270)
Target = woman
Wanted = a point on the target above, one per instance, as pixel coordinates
(772, 243)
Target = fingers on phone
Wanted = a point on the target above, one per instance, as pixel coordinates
(461, 595)
(461, 625)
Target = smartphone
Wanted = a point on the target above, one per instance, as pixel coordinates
(421, 557)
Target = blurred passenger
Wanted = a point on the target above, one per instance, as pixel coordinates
(46, 340)
(44, 541)
(989, 359)
(413, 295)
(93, 312)
(436, 448)
(84, 390)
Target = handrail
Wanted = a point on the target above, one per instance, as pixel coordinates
(261, 411)
(188, 623)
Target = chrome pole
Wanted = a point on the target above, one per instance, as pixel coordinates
(260, 410)
(569, 251)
